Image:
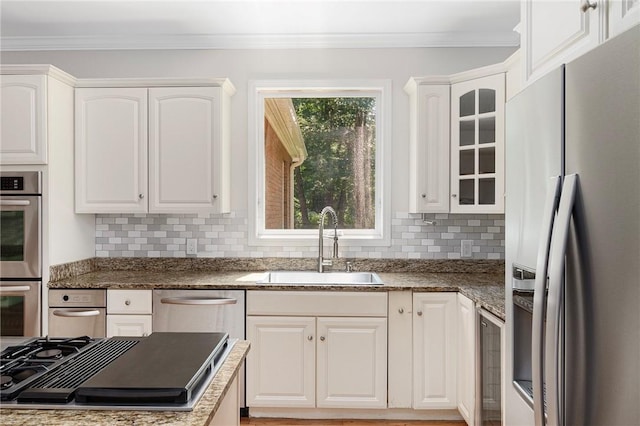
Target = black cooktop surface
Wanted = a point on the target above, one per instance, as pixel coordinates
(164, 368)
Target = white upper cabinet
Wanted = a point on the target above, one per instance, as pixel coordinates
(111, 150)
(186, 168)
(180, 166)
(477, 145)
(623, 14)
(23, 122)
(555, 32)
(428, 146)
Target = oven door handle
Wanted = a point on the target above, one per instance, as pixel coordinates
(203, 300)
(15, 202)
(73, 313)
(15, 288)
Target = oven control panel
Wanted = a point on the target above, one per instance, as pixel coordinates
(11, 183)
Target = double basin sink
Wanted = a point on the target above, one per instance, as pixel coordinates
(314, 277)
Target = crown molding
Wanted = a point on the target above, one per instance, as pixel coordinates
(38, 69)
(268, 41)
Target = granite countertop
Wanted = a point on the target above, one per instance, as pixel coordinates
(486, 289)
(202, 413)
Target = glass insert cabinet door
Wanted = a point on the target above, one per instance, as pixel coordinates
(477, 145)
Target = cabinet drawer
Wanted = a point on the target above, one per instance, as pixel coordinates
(317, 303)
(129, 301)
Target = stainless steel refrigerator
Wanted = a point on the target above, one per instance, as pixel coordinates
(573, 242)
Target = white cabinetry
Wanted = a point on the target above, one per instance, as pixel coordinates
(434, 350)
(281, 367)
(317, 349)
(466, 365)
(23, 122)
(111, 150)
(477, 145)
(457, 142)
(129, 312)
(428, 146)
(180, 166)
(555, 32)
(623, 14)
(34, 102)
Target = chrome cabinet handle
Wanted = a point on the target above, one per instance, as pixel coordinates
(74, 313)
(419, 313)
(15, 288)
(198, 300)
(309, 338)
(141, 196)
(588, 4)
(454, 195)
(322, 338)
(215, 196)
(424, 195)
(127, 302)
(401, 311)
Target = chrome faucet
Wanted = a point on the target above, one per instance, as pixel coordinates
(321, 262)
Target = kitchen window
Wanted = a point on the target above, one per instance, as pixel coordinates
(313, 144)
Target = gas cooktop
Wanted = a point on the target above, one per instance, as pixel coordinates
(162, 371)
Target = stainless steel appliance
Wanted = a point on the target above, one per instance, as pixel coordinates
(489, 370)
(115, 373)
(77, 312)
(20, 253)
(573, 224)
(202, 311)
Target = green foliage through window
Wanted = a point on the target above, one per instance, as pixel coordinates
(339, 134)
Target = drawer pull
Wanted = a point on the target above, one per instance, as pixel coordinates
(73, 313)
(322, 338)
(309, 338)
(419, 313)
(401, 311)
(127, 302)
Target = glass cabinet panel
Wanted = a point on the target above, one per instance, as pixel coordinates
(468, 104)
(477, 145)
(487, 130)
(487, 101)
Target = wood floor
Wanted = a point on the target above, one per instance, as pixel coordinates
(293, 422)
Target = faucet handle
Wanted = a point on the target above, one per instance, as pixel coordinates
(349, 267)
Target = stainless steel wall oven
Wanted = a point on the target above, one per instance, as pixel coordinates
(20, 253)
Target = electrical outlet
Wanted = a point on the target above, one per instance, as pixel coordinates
(192, 246)
(466, 248)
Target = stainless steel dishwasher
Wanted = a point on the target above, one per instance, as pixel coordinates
(201, 311)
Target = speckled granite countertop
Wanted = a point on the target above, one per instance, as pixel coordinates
(482, 282)
(202, 414)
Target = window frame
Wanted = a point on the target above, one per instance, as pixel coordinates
(261, 89)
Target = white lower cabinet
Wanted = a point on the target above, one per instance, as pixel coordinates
(129, 313)
(466, 366)
(304, 356)
(434, 350)
(281, 363)
(351, 362)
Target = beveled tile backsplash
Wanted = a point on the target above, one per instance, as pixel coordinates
(155, 235)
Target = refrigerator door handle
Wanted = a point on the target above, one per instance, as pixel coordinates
(539, 299)
(555, 303)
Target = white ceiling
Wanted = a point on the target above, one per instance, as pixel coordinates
(224, 24)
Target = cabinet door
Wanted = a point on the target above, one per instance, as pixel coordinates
(23, 122)
(477, 145)
(429, 149)
(434, 346)
(281, 365)
(184, 143)
(352, 363)
(128, 325)
(556, 32)
(466, 358)
(111, 150)
(400, 371)
(623, 14)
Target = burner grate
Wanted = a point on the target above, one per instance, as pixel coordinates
(73, 373)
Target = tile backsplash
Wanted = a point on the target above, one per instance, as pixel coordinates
(159, 235)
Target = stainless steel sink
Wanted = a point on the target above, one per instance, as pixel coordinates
(314, 277)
